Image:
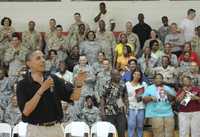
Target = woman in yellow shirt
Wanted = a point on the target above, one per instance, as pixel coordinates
(122, 61)
(120, 46)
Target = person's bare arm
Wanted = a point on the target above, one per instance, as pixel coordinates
(33, 102)
(97, 18)
(148, 99)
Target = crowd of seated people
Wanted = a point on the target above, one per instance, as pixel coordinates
(142, 76)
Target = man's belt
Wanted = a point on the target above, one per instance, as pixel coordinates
(47, 124)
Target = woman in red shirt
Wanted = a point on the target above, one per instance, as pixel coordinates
(193, 55)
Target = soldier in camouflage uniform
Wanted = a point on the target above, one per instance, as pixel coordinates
(15, 56)
(90, 48)
(1, 115)
(112, 104)
(74, 39)
(133, 38)
(31, 39)
(51, 33)
(90, 114)
(74, 28)
(106, 39)
(5, 90)
(98, 66)
(102, 77)
(5, 36)
(88, 87)
(12, 113)
(59, 43)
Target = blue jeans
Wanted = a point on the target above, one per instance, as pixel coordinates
(135, 121)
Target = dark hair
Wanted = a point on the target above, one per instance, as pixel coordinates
(102, 3)
(163, 17)
(152, 42)
(52, 19)
(141, 75)
(165, 56)
(198, 27)
(88, 34)
(82, 24)
(10, 21)
(77, 14)
(120, 35)
(51, 50)
(128, 48)
(158, 74)
(191, 11)
(28, 56)
(59, 26)
(88, 97)
(14, 34)
(134, 60)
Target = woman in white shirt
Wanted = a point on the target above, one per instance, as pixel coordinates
(135, 89)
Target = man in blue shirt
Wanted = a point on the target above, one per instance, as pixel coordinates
(132, 66)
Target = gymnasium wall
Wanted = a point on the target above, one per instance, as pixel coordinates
(22, 12)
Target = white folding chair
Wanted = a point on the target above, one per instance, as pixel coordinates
(77, 129)
(20, 129)
(102, 129)
(6, 128)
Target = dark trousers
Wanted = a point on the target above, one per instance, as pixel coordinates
(119, 121)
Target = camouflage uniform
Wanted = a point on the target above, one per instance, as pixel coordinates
(12, 115)
(4, 42)
(1, 115)
(107, 41)
(184, 67)
(74, 28)
(90, 115)
(169, 73)
(97, 67)
(15, 58)
(133, 39)
(48, 36)
(31, 40)
(88, 87)
(91, 50)
(196, 44)
(56, 43)
(5, 92)
(102, 78)
(74, 39)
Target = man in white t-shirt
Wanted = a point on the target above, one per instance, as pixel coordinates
(188, 25)
(105, 16)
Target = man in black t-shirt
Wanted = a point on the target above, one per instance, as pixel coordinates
(39, 98)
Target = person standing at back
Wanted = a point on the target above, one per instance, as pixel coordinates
(142, 30)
